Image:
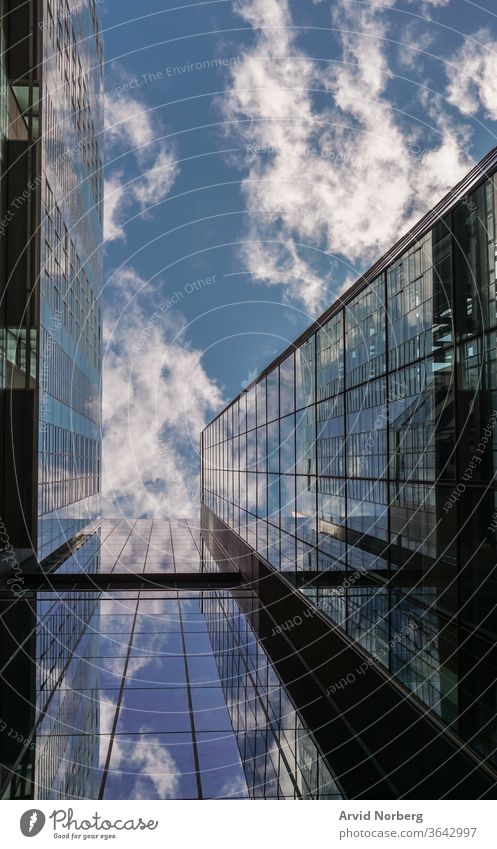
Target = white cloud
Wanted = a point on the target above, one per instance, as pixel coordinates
(131, 130)
(425, 6)
(235, 788)
(156, 181)
(473, 76)
(415, 41)
(157, 399)
(114, 190)
(148, 762)
(435, 3)
(126, 284)
(127, 121)
(345, 178)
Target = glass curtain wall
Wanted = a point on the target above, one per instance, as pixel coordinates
(69, 441)
(369, 454)
(144, 693)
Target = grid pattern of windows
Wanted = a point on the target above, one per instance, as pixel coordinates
(66, 286)
(370, 451)
(142, 546)
(280, 758)
(63, 380)
(134, 693)
(70, 277)
(70, 468)
(129, 703)
(78, 98)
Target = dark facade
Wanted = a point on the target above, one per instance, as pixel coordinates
(51, 273)
(360, 467)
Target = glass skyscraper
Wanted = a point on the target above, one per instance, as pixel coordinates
(326, 629)
(51, 272)
(360, 468)
(110, 685)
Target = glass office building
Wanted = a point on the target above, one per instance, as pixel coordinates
(131, 671)
(280, 757)
(128, 666)
(51, 272)
(340, 580)
(360, 467)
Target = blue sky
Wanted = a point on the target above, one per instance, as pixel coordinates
(260, 155)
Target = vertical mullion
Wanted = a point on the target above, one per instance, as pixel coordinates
(172, 545)
(345, 467)
(190, 707)
(124, 546)
(118, 704)
(387, 476)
